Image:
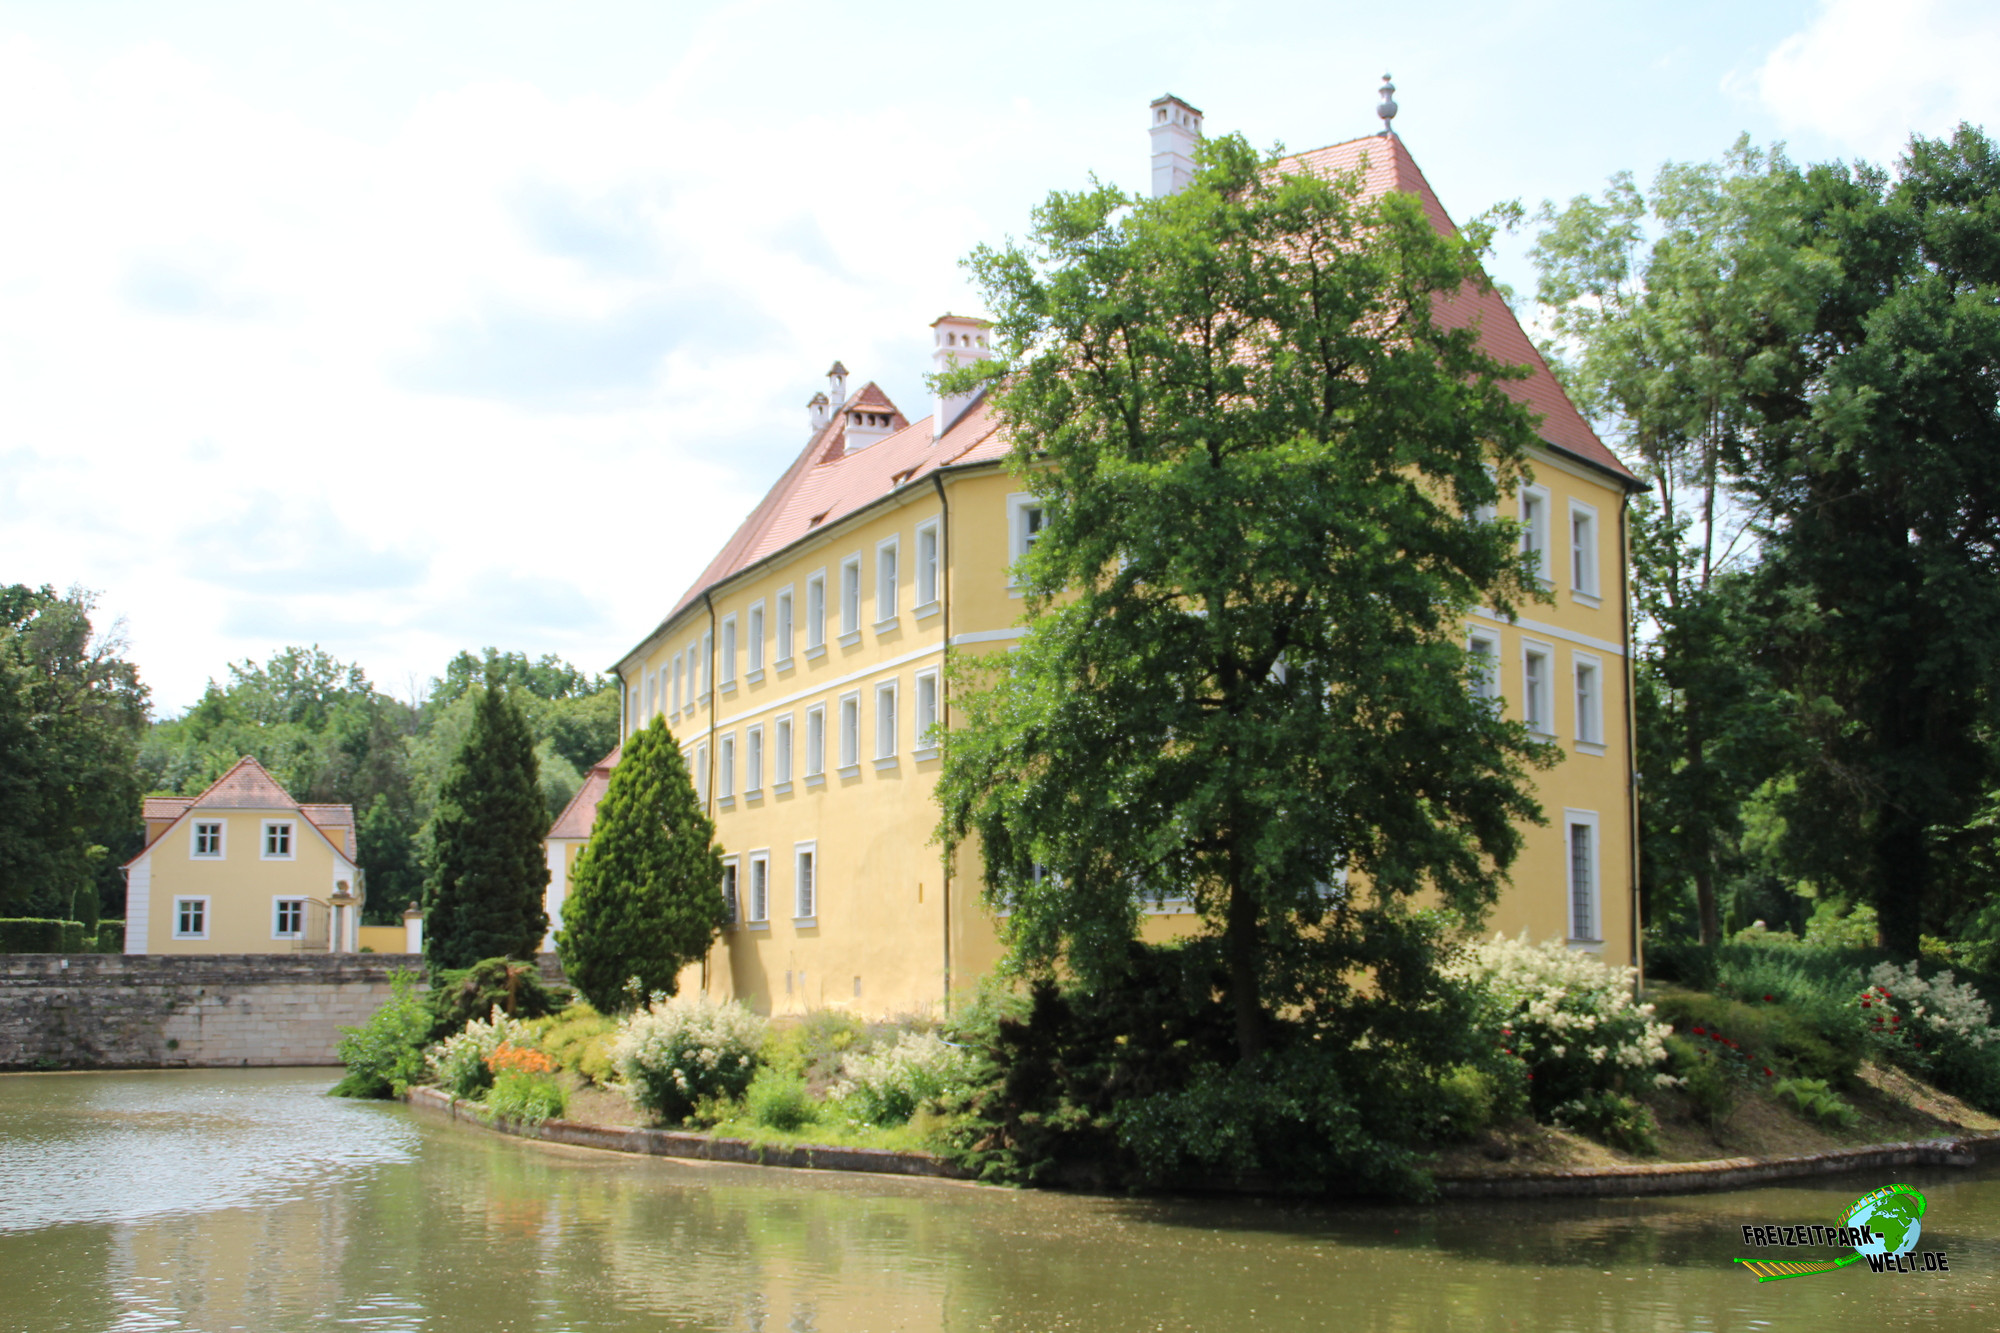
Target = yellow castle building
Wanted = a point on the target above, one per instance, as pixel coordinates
(801, 672)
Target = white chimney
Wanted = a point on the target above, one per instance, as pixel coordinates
(866, 426)
(821, 413)
(1176, 130)
(836, 384)
(958, 340)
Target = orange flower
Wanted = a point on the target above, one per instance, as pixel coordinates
(507, 1058)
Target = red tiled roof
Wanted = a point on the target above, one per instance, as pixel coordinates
(164, 807)
(249, 786)
(826, 482)
(581, 812)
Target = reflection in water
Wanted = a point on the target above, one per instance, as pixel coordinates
(246, 1200)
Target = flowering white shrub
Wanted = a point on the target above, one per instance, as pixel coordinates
(675, 1052)
(458, 1063)
(886, 1086)
(1569, 1017)
(1900, 1007)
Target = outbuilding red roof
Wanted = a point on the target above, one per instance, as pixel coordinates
(580, 814)
(827, 482)
(248, 785)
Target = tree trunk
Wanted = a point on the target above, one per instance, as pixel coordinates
(1240, 945)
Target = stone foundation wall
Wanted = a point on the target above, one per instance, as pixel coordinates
(137, 1011)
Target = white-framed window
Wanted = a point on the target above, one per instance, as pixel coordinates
(850, 596)
(850, 731)
(700, 766)
(928, 556)
(754, 649)
(725, 766)
(1535, 528)
(728, 662)
(805, 881)
(707, 664)
(1583, 549)
(753, 760)
(1025, 519)
(760, 887)
(278, 840)
(632, 709)
(815, 741)
(888, 558)
(1580, 860)
(696, 658)
(678, 664)
(885, 722)
(731, 867)
(652, 680)
(925, 740)
(191, 918)
(206, 840)
(1589, 677)
(816, 613)
(1537, 702)
(781, 751)
(785, 632)
(1484, 645)
(288, 918)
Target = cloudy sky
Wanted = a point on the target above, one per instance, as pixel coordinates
(404, 328)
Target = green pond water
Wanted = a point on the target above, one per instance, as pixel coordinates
(248, 1200)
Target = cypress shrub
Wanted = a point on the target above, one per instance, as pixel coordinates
(485, 895)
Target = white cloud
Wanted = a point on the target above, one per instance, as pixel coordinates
(1867, 74)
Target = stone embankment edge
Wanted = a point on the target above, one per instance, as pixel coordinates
(1728, 1173)
(698, 1147)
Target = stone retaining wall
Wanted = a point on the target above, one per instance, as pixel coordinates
(142, 1011)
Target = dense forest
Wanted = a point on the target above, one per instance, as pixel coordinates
(81, 750)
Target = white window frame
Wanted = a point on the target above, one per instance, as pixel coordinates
(725, 769)
(757, 914)
(850, 733)
(707, 665)
(728, 655)
(816, 744)
(805, 883)
(753, 657)
(200, 902)
(781, 754)
(290, 834)
(700, 766)
(696, 661)
(1019, 536)
(732, 885)
(278, 905)
(787, 627)
(929, 565)
(1538, 703)
(1534, 502)
(1488, 686)
(929, 698)
(850, 600)
(678, 667)
(1589, 701)
(1592, 891)
(886, 708)
(888, 581)
(632, 710)
(652, 679)
(753, 761)
(221, 852)
(816, 614)
(1583, 532)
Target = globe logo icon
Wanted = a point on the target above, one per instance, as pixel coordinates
(1895, 1217)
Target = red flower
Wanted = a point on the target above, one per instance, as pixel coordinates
(1769, 999)
(1865, 1004)
(1896, 1018)
(1701, 1032)
(1767, 1073)
(1919, 1045)
(1531, 1073)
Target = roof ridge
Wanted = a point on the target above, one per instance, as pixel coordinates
(236, 768)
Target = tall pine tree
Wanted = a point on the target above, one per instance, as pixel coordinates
(484, 896)
(646, 896)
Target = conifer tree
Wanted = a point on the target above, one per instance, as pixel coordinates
(489, 872)
(645, 899)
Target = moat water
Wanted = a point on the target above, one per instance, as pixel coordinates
(249, 1200)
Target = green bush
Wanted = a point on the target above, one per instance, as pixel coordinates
(110, 937)
(887, 1086)
(681, 1051)
(513, 987)
(579, 1039)
(29, 934)
(1469, 1100)
(778, 1099)
(814, 1046)
(385, 1055)
(461, 1063)
(524, 1096)
(1613, 1118)
(1811, 1098)
(1714, 1072)
(1765, 1033)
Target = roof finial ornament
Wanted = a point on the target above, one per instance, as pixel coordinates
(1387, 110)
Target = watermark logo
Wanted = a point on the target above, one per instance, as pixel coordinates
(1882, 1230)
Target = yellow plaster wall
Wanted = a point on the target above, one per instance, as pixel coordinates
(241, 887)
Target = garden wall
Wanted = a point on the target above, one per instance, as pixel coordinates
(137, 1011)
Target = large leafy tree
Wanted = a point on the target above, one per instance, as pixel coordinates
(645, 899)
(489, 872)
(1262, 462)
(72, 711)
